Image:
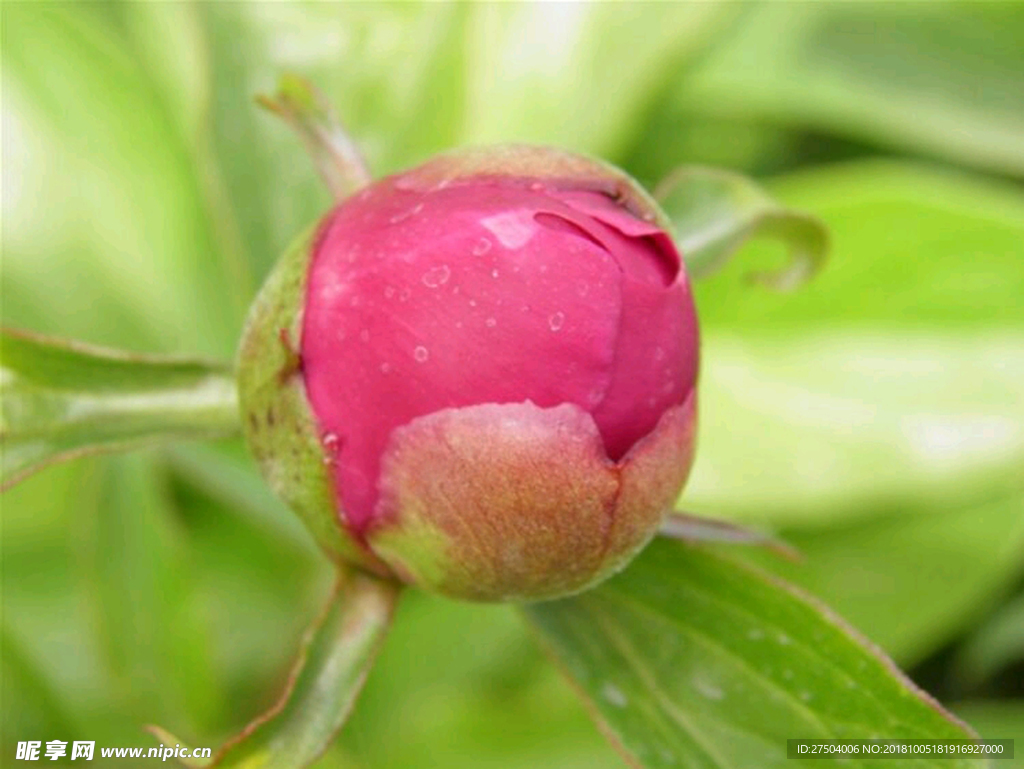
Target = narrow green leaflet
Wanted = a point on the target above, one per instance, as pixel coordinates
(63, 399)
(689, 658)
(335, 658)
(716, 211)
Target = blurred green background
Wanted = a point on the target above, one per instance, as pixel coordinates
(875, 418)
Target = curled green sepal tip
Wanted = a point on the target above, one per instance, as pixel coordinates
(334, 154)
(715, 211)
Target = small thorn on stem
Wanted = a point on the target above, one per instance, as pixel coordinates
(335, 156)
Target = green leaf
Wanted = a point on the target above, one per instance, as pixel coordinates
(997, 720)
(945, 78)
(818, 427)
(912, 578)
(149, 627)
(997, 644)
(714, 212)
(335, 658)
(691, 659)
(105, 233)
(913, 249)
(63, 399)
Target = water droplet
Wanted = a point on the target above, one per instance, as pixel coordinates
(404, 296)
(401, 217)
(331, 443)
(472, 302)
(490, 323)
(556, 321)
(755, 634)
(595, 396)
(385, 368)
(614, 695)
(482, 247)
(436, 276)
(364, 335)
(494, 273)
(536, 186)
(421, 354)
(707, 689)
(783, 639)
(389, 292)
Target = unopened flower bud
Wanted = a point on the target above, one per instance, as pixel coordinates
(479, 376)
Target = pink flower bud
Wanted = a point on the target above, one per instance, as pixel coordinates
(491, 385)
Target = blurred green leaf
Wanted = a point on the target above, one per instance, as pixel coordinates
(690, 658)
(946, 79)
(150, 629)
(103, 204)
(21, 680)
(714, 212)
(913, 248)
(997, 720)
(62, 399)
(895, 374)
(912, 578)
(583, 76)
(335, 658)
(994, 646)
(816, 428)
(467, 685)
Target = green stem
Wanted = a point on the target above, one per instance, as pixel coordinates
(63, 399)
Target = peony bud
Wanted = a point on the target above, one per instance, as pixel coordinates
(479, 376)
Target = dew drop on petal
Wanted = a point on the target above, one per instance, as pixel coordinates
(389, 292)
(755, 634)
(556, 321)
(404, 296)
(420, 354)
(331, 444)
(494, 273)
(490, 323)
(436, 276)
(783, 639)
(482, 247)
